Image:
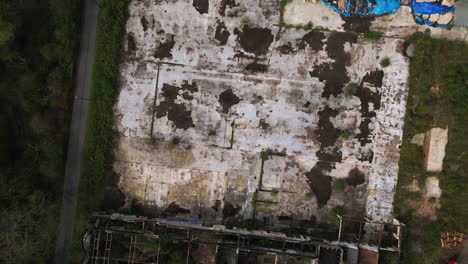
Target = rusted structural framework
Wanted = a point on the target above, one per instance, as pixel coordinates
(187, 233)
(369, 234)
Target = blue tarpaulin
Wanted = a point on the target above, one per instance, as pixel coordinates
(427, 8)
(385, 6)
(422, 9)
(364, 7)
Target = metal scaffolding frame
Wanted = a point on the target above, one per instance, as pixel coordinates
(163, 230)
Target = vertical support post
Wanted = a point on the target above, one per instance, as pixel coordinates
(339, 231)
(360, 232)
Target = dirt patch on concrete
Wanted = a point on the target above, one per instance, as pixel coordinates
(374, 78)
(254, 40)
(228, 99)
(144, 23)
(355, 177)
(131, 44)
(367, 96)
(230, 210)
(313, 39)
(221, 33)
(256, 67)
(201, 6)
(177, 113)
(174, 209)
(357, 23)
(286, 48)
(320, 183)
(164, 49)
(327, 136)
(224, 4)
(334, 74)
(216, 206)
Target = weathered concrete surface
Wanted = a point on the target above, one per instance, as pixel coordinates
(434, 148)
(232, 90)
(400, 24)
(432, 188)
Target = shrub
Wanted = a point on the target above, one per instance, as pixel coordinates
(309, 195)
(274, 192)
(264, 155)
(174, 141)
(334, 212)
(385, 62)
(372, 35)
(308, 26)
(350, 90)
(344, 134)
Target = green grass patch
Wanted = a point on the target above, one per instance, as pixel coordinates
(372, 35)
(100, 135)
(385, 62)
(309, 195)
(442, 64)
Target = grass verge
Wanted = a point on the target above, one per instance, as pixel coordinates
(100, 136)
(438, 97)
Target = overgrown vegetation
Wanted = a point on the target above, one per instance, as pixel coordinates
(442, 64)
(38, 44)
(385, 62)
(372, 35)
(100, 136)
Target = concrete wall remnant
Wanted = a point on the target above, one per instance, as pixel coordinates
(434, 148)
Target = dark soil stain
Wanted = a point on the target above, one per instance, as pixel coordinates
(216, 205)
(264, 125)
(320, 183)
(369, 156)
(144, 23)
(313, 39)
(355, 177)
(335, 74)
(374, 78)
(228, 99)
(177, 113)
(221, 33)
(357, 23)
(131, 44)
(254, 40)
(224, 4)
(367, 96)
(164, 49)
(327, 135)
(114, 198)
(256, 67)
(230, 210)
(174, 209)
(201, 6)
(286, 48)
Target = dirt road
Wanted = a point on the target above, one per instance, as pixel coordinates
(77, 130)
